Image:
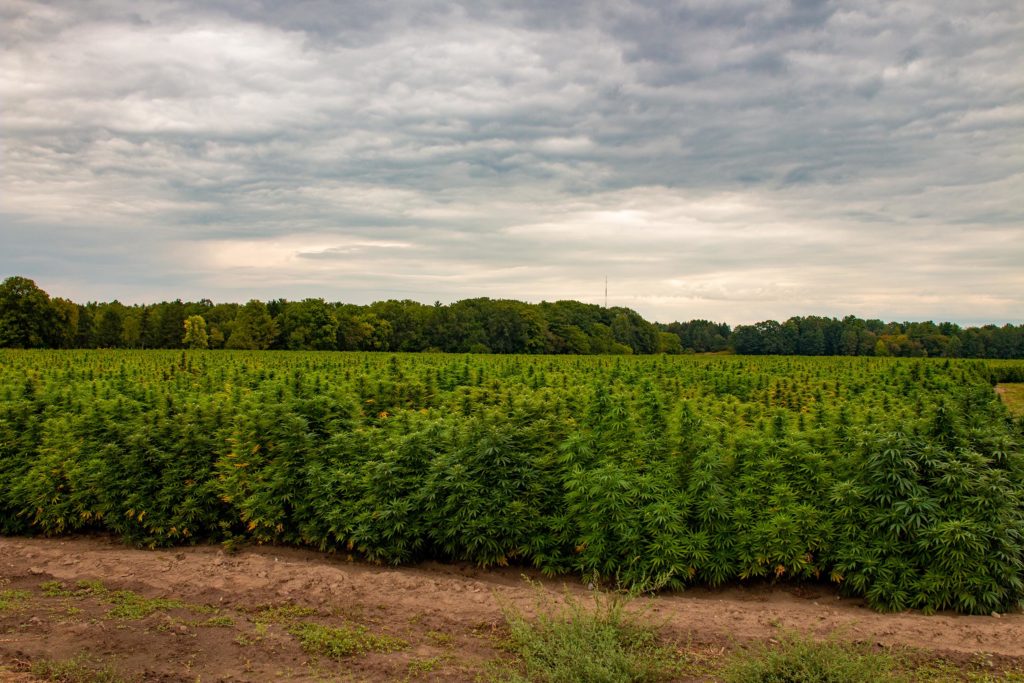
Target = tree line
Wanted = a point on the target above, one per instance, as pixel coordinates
(30, 318)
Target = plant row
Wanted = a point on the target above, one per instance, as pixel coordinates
(901, 481)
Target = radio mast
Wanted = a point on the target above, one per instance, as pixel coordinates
(606, 291)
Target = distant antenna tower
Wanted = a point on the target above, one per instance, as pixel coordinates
(606, 291)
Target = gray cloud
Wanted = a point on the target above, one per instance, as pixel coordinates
(732, 160)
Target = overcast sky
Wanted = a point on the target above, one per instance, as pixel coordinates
(731, 160)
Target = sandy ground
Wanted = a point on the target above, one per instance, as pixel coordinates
(449, 617)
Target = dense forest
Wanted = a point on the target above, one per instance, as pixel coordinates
(30, 318)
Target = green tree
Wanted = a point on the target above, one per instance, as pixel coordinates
(669, 343)
(195, 333)
(110, 326)
(85, 335)
(408, 322)
(170, 316)
(26, 318)
(568, 339)
(361, 330)
(253, 328)
(131, 335)
(65, 323)
(310, 325)
(630, 329)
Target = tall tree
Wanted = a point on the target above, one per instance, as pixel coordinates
(170, 320)
(310, 325)
(253, 328)
(110, 326)
(26, 318)
(65, 322)
(195, 333)
(85, 337)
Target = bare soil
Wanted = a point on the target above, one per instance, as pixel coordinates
(239, 610)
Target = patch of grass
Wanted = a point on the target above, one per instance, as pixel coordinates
(259, 632)
(127, 605)
(337, 643)
(574, 642)
(201, 609)
(12, 600)
(131, 606)
(91, 587)
(421, 667)
(55, 589)
(1013, 396)
(79, 669)
(440, 638)
(82, 589)
(223, 621)
(940, 671)
(282, 614)
(798, 660)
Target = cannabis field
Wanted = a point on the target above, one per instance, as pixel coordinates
(900, 480)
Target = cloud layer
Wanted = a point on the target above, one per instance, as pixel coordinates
(729, 160)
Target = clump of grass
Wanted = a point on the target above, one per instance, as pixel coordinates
(440, 638)
(132, 606)
(76, 670)
(90, 587)
(55, 589)
(923, 668)
(259, 632)
(342, 642)
(574, 642)
(127, 605)
(12, 600)
(282, 614)
(422, 667)
(798, 660)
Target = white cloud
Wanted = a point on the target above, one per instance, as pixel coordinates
(734, 161)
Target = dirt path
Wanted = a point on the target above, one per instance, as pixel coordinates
(238, 614)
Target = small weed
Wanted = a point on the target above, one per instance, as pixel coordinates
(12, 600)
(55, 589)
(79, 669)
(259, 632)
(439, 638)
(127, 605)
(245, 640)
(940, 671)
(232, 545)
(201, 609)
(341, 642)
(282, 614)
(132, 606)
(574, 643)
(798, 660)
(357, 614)
(420, 667)
(93, 587)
